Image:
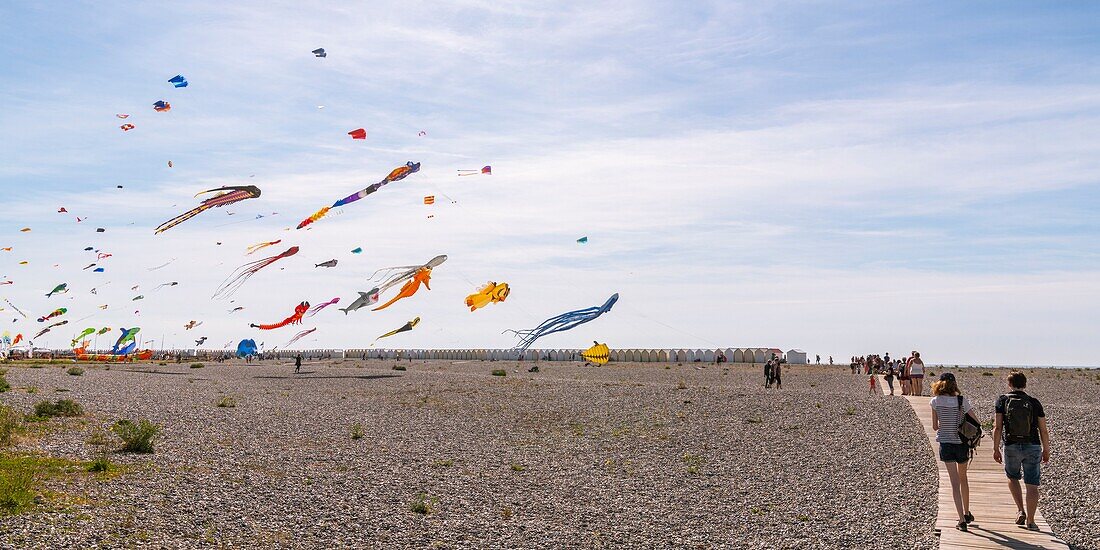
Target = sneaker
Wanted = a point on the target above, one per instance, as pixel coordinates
(1021, 518)
(1032, 527)
(969, 517)
(961, 526)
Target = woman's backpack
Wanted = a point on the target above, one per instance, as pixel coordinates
(970, 430)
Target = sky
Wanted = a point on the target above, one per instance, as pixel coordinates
(839, 178)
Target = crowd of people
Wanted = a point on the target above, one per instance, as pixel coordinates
(908, 372)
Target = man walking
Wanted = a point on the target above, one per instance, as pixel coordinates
(297, 363)
(1021, 425)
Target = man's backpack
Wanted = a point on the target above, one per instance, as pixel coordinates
(970, 430)
(1018, 419)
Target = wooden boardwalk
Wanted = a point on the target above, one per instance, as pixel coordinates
(994, 511)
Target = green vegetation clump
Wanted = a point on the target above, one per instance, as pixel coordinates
(11, 422)
(518, 467)
(136, 437)
(693, 462)
(500, 372)
(16, 489)
(850, 410)
(61, 407)
(423, 504)
(4, 385)
(446, 463)
(75, 371)
(226, 402)
(399, 367)
(357, 431)
(197, 365)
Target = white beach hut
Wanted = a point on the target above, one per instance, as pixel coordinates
(796, 357)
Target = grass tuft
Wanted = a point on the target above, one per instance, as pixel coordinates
(226, 402)
(423, 504)
(4, 385)
(75, 371)
(136, 437)
(357, 431)
(11, 423)
(197, 365)
(61, 407)
(500, 372)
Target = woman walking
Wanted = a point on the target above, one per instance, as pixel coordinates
(916, 374)
(948, 408)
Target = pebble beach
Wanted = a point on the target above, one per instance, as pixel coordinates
(450, 456)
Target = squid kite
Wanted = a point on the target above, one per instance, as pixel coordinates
(295, 319)
(47, 329)
(407, 327)
(299, 336)
(55, 313)
(396, 174)
(226, 195)
(598, 354)
(422, 276)
(59, 289)
(319, 307)
(258, 246)
(243, 273)
(491, 293)
(563, 322)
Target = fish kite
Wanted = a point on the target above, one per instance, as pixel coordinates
(319, 307)
(295, 319)
(598, 354)
(491, 293)
(55, 313)
(47, 329)
(330, 263)
(396, 174)
(407, 327)
(59, 289)
(178, 81)
(138, 297)
(103, 331)
(563, 322)
(245, 272)
(365, 299)
(487, 170)
(258, 246)
(81, 336)
(126, 342)
(162, 106)
(25, 230)
(227, 195)
(422, 276)
(582, 240)
(357, 250)
(319, 52)
(358, 133)
(299, 336)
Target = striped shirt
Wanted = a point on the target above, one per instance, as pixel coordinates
(947, 410)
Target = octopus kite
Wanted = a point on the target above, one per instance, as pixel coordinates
(246, 271)
(258, 246)
(295, 319)
(319, 307)
(422, 276)
(407, 327)
(563, 322)
(396, 174)
(227, 195)
(299, 336)
(491, 293)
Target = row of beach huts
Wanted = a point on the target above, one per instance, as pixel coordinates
(731, 355)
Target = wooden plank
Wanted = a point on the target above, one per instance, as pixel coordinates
(994, 511)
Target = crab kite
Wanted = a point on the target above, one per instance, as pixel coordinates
(396, 174)
(491, 293)
(563, 322)
(295, 319)
(226, 195)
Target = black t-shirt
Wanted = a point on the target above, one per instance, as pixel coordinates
(1036, 406)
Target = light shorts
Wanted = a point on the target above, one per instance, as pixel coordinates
(1026, 457)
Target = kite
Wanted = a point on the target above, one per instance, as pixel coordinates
(170, 164)
(488, 170)
(62, 210)
(583, 240)
(357, 250)
(178, 81)
(81, 336)
(59, 289)
(258, 246)
(245, 272)
(47, 329)
(126, 342)
(430, 199)
(127, 127)
(6, 249)
(408, 326)
(296, 319)
(365, 299)
(358, 133)
(246, 347)
(563, 322)
(18, 338)
(192, 324)
(138, 297)
(200, 341)
(229, 195)
(89, 266)
(319, 307)
(165, 264)
(330, 263)
(422, 133)
(122, 116)
(422, 276)
(396, 174)
(55, 313)
(103, 331)
(100, 230)
(491, 293)
(236, 309)
(598, 354)
(319, 52)
(399, 274)
(24, 262)
(87, 249)
(102, 256)
(15, 308)
(299, 336)
(7, 282)
(98, 270)
(162, 106)
(104, 306)
(25, 230)
(173, 283)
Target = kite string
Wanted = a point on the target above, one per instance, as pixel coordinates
(666, 325)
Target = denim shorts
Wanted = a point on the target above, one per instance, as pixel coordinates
(954, 452)
(1026, 457)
